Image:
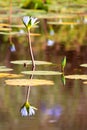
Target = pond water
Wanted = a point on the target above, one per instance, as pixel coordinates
(62, 106)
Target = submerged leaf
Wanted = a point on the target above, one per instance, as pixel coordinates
(41, 72)
(28, 82)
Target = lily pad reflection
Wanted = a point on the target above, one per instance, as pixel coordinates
(28, 82)
(41, 72)
(83, 77)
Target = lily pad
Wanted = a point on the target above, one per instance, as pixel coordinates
(63, 23)
(28, 82)
(85, 82)
(21, 62)
(83, 77)
(4, 29)
(41, 72)
(2, 66)
(8, 75)
(83, 65)
(5, 69)
(4, 24)
(17, 33)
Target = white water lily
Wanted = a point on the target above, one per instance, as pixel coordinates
(29, 21)
(28, 110)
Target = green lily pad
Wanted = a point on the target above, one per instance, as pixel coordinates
(28, 82)
(41, 72)
(83, 65)
(21, 62)
(83, 77)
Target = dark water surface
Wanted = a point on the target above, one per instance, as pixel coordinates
(59, 107)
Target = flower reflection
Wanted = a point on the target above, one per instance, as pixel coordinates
(12, 48)
(29, 21)
(50, 115)
(27, 110)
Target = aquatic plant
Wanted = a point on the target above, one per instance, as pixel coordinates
(63, 63)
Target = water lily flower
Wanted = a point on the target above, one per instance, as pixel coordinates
(29, 21)
(28, 110)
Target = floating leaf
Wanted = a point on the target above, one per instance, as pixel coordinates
(85, 82)
(83, 65)
(28, 82)
(63, 23)
(30, 62)
(83, 77)
(4, 29)
(41, 72)
(8, 75)
(1, 67)
(17, 33)
(4, 24)
(5, 69)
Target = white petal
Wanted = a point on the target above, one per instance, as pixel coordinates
(24, 112)
(26, 20)
(31, 111)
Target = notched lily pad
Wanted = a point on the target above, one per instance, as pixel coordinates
(83, 65)
(83, 77)
(21, 62)
(41, 72)
(28, 82)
